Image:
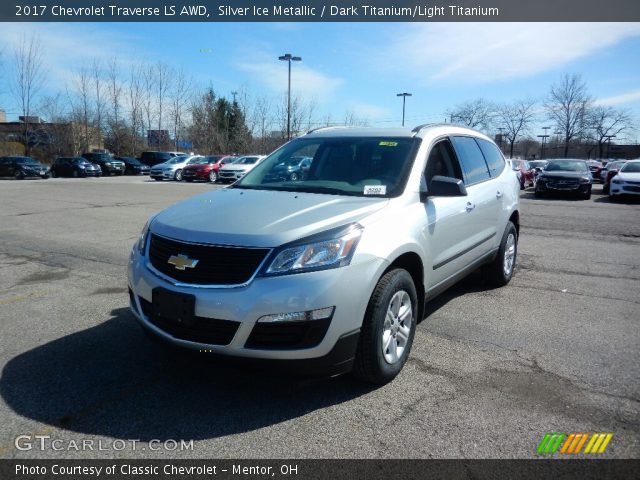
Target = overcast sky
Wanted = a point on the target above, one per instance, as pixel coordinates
(357, 67)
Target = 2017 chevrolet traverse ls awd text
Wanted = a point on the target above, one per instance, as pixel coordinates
(331, 270)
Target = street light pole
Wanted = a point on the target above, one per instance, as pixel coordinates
(404, 96)
(287, 57)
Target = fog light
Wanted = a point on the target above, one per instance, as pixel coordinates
(319, 314)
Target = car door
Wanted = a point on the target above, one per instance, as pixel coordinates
(448, 231)
(483, 202)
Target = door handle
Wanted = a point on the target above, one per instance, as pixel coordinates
(470, 206)
(499, 194)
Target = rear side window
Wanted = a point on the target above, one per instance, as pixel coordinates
(493, 156)
(473, 165)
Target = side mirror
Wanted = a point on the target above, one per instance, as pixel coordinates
(446, 187)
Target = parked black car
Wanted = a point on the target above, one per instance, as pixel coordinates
(107, 163)
(133, 166)
(74, 167)
(565, 176)
(22, 167)
(154, 158)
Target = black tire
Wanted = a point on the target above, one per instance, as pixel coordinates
(178, 175)
(213, 176)
(537, 194)
(74, 174)
(157, 179)
(19, 175)
(54, 174)
(45, 177)
(587, 196)
(522, 184)
(495, 273)
(294, 177)
(188, 179)
(370, 364)
(605, 188)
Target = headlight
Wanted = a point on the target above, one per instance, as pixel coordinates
(616, 181)
(319, 255)
(142, 241)
(82, 166)
(585, 180)
(107, 164)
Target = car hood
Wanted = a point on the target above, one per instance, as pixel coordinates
(629, 177)
(259, 218)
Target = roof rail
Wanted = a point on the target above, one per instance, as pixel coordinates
(326, 127)
(435, 124)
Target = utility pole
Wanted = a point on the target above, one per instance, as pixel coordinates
(287, 57)
(404, 96)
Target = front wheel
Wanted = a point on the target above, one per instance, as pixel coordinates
(178, 175)
(388, 328)
(19, 175)
(213, 176)
(500, 270)
(294, 177)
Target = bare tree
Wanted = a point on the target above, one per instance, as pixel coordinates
(163, 76)
(516, 118)
(98, 92)
(606, 122)
(567, 107)
(80, 103)
(134, 96)
(148, 83)
(180, 93)
(28, 79)
(261, 119)
(114, 91)
(478, 113)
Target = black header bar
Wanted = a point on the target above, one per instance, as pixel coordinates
(320, 11)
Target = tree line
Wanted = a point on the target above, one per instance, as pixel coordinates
(117, 105)
(573, 115)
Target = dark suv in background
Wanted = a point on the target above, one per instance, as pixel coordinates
(154, 158)
(107, 163)
(22, 167)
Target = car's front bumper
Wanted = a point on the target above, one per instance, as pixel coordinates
(164, 174)
(195, 174)
(625, 188)
(264, 296)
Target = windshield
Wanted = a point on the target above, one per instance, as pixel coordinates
(361, 166)
(199, 161)
(24, 160)
(633, 167)
(80, 161)
(538, 163)
(566, 166)
(246, 160)
(615, 165)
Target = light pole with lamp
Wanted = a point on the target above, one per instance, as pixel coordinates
(287, 57)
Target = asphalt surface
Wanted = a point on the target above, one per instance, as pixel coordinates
(491, 370)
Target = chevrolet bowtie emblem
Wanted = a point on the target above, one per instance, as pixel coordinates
(182, 261)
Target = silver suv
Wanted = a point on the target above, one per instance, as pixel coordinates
(332, 270)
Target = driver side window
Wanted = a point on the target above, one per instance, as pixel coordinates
(442, 161)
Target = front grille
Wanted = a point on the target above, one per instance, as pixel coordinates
(287, 335)
(200, 329)
(631, 188)
(217, 265)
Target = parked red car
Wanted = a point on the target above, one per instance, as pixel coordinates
(206, 168)
(527, 173)
(595, 167)
(611, 171)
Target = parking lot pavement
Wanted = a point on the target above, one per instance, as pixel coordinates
(491, 371)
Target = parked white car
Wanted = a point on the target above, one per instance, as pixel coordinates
(239, 168)
(627, 181)
(172, 170)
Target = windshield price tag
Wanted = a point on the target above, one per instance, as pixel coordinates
(375, 189)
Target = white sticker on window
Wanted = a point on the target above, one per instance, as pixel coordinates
(375, 189)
